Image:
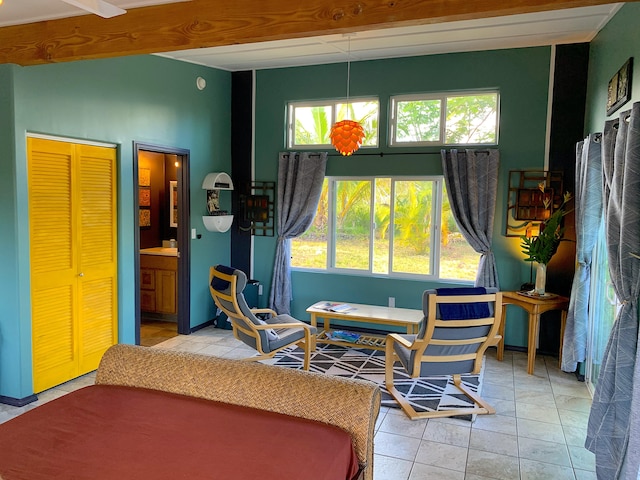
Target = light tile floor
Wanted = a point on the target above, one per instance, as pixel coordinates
(537, 434)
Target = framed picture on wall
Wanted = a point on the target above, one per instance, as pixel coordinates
(173, 204)
(144, 177)
(145, 218)
(619, 89)
(144, 196)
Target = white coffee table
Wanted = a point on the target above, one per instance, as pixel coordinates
(406, 318)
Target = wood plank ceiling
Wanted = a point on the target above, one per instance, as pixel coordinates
(210, 23)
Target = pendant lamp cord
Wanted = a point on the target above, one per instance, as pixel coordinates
(348, 67)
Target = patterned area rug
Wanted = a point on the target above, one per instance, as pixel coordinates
(425, 393)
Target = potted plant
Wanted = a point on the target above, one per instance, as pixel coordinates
(542, 248)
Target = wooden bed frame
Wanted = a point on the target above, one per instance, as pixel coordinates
(350, 405)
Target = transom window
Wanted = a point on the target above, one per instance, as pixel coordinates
(309, 123)
(444, 119)
(393, 226)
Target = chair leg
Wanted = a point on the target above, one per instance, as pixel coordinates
(307, 355)
(483, 405)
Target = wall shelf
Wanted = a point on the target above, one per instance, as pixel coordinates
(217, 220)
(217, 223)
(217, 181)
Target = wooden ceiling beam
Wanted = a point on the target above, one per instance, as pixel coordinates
(210, 23)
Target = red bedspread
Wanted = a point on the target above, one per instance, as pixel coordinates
(109, 432)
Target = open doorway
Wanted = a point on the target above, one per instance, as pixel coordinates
(161, 216)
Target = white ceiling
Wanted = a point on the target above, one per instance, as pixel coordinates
(545, 28)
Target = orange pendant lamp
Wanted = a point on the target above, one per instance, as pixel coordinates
(347, 135)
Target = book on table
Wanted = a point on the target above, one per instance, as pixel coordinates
(344, 336)
(335, 307)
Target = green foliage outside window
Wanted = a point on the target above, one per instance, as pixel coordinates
(411, 239)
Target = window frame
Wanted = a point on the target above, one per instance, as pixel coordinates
(333, 103)
(435, 229)
(443, 97)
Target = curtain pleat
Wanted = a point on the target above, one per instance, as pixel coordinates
(613, 432)
(588, 214)
(300, 177)
(471, 177)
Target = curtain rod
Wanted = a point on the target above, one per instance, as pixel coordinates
(382, 154)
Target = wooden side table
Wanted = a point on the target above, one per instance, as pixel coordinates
(535, 306)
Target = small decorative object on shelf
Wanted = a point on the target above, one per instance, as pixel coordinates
(217, 220)
(542, 248)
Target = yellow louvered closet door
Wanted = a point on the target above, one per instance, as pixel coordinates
(72, 211)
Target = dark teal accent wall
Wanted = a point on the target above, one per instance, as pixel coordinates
(521, 75)
(614, 44)
(147, 99)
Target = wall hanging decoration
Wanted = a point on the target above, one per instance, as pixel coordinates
(526, 208)
(173, 204)
(347, 135)
(144, 177)
(619, 90)
(542, 247)
(217, 219)
(257, 207)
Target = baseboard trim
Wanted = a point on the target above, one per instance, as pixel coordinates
(18, 402)
(203, 325)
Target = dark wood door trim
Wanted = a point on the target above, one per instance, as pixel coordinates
(184, 242)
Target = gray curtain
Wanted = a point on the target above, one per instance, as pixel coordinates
(471, 177)
(300, 177)
(613, 432)
(588, 214)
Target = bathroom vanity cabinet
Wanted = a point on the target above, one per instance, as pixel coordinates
(158, 282)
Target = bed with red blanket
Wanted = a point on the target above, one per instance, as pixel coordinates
(156, 414)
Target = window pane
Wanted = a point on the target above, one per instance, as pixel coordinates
(353, 224)
(310, 249)
(412, 207)
(603, 308)
(458, 260)
(382, 216)
(472, 119)
(312, 125)
(364, 112)
(418, 121)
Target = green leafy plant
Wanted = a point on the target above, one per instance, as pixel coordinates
(540, 249)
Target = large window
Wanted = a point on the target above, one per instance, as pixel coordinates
(400, 227)
(309, 123)
(440, 119)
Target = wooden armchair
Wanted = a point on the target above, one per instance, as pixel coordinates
(456, 331)
(268, 336)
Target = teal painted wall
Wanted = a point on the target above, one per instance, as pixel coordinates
(13, 361)
(614, 44)
(521, 75)
(148, 99)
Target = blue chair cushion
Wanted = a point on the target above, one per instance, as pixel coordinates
(456, 311)
(218, 283)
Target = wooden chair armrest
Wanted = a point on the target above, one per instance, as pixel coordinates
(282, 325)
(401, 340)
(264, 310)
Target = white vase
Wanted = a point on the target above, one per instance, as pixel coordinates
(541, 279)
